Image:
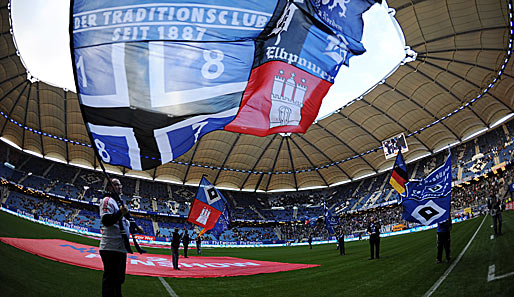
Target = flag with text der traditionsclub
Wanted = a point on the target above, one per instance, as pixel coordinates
(154, 77)
(428, 200)
(210, 209)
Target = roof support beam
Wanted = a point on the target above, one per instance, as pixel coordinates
(13, 77)
(292, 163)
(190, 161)
(39, 119)
(324, 155)
(462, 62)
(471, 83)
(226, 158)
(8, 56)
(461, 33)
(447, 90)
(25, 118)
(10, 91)
(66, 125)
(421, 107)
(398, 123)
(274, 163)
(13, 106)
(354, 151)
(310, 162)
(409, 4)
(478, 49)
(360, 126)
(257, 162)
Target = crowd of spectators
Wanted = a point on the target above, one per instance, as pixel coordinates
(291, 207)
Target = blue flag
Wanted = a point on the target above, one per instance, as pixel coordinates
(330, 220)
(154, 77)
(428, 200)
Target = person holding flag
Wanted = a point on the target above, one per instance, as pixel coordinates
(210, 210)
(373, 231)
(443, 240)
(114, 244)
(175, 244)
(340, 243)
(185, 241)
(198, 244)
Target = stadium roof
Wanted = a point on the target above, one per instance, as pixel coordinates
(460, 84)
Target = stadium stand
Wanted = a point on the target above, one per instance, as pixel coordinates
(481, 167)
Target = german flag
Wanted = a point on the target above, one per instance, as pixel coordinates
(399, 175)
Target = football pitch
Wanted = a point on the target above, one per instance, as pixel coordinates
(406, 267)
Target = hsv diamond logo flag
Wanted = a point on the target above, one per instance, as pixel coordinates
(153, 77)
(428, 200)
(210, 209)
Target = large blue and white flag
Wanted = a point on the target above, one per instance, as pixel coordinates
(330, 220)
(428, 200)
(154, 76)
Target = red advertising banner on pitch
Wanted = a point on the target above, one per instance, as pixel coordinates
(149, 264)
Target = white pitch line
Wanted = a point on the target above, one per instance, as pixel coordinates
(445, 274)
(491, 274)
(168, 288)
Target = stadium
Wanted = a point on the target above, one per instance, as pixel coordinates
(452, 94)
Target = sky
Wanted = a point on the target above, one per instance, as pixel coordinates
(42, 37)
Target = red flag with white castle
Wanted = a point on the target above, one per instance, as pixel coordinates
(209, 210)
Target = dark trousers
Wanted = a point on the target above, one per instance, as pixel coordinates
(174, 257)
(198, 249)
(115, 264)
(443, 242)
(497, 223)
(185, 250)
(341, 248)
(374, 247)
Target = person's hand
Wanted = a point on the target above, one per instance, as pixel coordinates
(140, 230)
(124, 210)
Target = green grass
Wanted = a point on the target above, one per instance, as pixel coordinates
(406, 268)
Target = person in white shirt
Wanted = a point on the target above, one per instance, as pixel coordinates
(113, 245)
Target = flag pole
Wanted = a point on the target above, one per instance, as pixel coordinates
(93, 144)
(187, 219)
(117, 198)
